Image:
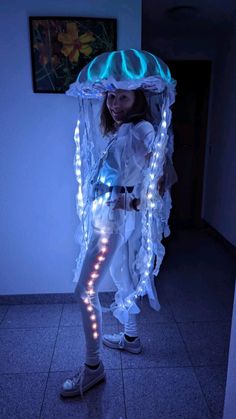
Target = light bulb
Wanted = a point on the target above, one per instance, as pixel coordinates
(164, 125)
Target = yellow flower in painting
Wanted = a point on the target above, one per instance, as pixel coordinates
(73, 44)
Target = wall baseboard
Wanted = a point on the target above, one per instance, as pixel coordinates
(62, 298)
(214, 233)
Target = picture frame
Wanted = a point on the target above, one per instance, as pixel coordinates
(62, 46)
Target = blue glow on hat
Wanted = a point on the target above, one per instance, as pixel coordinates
(131, 74)
(160, 70)
(105, 65)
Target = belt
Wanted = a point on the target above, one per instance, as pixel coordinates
(121, 189)
(102, 188)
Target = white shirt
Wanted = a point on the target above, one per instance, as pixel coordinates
(127, 155)
(123, 165)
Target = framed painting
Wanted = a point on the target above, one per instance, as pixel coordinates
(62, 46)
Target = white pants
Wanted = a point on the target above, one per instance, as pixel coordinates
(102, 250)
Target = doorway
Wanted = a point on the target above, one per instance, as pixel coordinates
(190, 116)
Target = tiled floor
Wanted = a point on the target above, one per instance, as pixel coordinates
(181, 372)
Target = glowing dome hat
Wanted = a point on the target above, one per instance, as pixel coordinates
(125, 69)
(129, 70)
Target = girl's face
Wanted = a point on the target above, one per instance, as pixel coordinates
(119, 103)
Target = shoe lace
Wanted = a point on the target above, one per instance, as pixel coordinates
(121, 342)
(78, 379)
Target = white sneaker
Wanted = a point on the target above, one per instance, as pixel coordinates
(82, 381)
(118, 341)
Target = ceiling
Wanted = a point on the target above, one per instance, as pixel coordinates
(168, 18)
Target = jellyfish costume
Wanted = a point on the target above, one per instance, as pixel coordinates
(142, 230)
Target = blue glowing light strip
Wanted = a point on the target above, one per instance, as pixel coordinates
(130, 74)
(89, 69)
(163, 75)
(107, 66)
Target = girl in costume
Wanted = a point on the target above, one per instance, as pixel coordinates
(123, 198)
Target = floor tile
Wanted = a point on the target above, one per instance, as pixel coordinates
(3, 311)
(181, 372)
(70, 350)
(32, 315)
(71, 316)
(162, 347)
(103, 401)
(196, 299)
(26, 350)
(22, 395)
(165, 393)
(213, 383)
(207, 342)
(148, 314)
(198, 294)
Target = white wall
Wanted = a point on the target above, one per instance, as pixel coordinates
(37, 182)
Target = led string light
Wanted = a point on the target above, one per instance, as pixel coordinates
(79, 197)
(103, 248)
(152, 198)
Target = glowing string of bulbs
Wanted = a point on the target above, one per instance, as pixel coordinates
(79, 197)
(103, 243)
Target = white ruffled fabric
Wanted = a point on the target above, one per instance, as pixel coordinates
(126, 153)
(95, 90)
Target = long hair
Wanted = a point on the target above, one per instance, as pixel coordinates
(139, 111)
